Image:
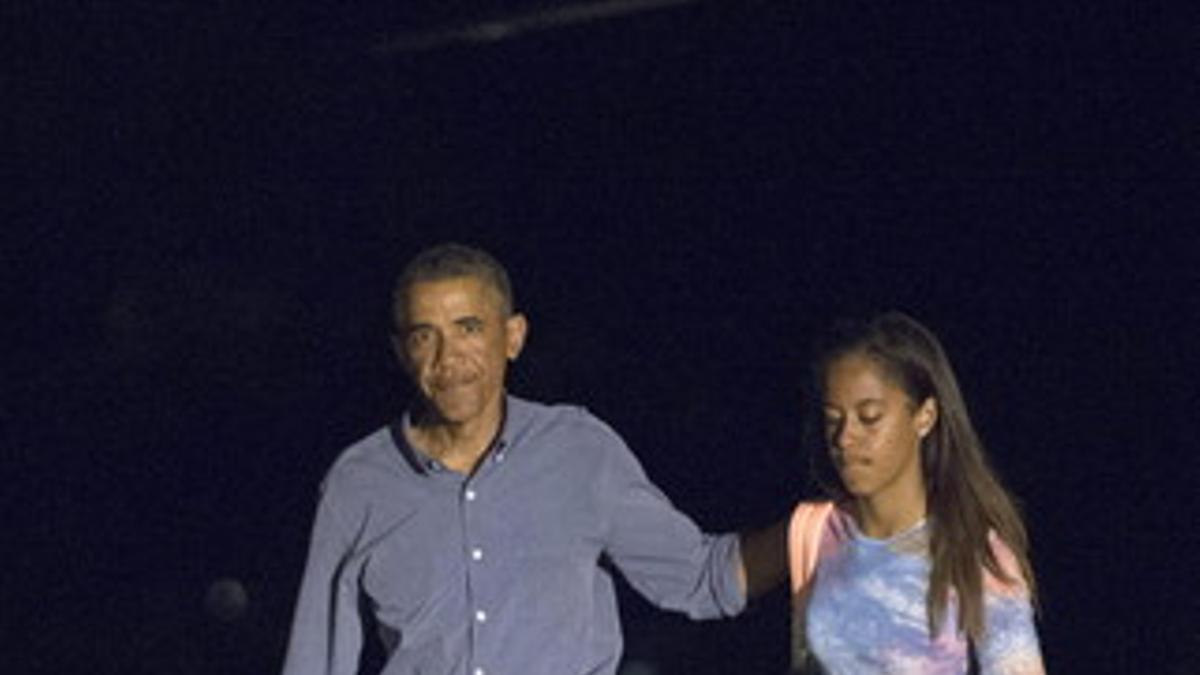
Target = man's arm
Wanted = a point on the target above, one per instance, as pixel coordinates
(661, 552)
(764, 559)
(326, 635)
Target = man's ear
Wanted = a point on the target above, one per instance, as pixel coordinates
(516, 327)
(927, 416)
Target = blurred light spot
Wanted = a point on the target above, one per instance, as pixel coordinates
(226, 600)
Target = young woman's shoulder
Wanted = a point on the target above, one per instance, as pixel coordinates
(1013, 581)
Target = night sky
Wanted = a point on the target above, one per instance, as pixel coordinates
(206, 205)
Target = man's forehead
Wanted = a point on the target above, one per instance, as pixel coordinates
(465, 293)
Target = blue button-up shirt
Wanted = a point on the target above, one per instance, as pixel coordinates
(498, 573)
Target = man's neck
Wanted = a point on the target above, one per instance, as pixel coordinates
(457, 445)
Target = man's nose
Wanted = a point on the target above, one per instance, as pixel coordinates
(448, 348)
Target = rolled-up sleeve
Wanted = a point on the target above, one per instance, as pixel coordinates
(326, 636)
(660, 551)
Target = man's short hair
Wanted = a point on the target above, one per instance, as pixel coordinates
(450, 261)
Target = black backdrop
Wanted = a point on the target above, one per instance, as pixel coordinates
(206, 205)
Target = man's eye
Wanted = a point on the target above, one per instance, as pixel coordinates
(418, 338)
(472, 326)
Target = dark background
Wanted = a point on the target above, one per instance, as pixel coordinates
(206, 203)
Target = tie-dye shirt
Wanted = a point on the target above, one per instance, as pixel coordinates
(866, 613)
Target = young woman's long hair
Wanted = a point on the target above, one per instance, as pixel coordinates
(965, 500)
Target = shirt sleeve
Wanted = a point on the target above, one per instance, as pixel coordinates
(1010, 645)
(663, 553)
(326, 636)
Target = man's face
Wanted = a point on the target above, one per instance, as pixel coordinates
(455, 344)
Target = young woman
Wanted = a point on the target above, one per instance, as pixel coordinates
(919, 562)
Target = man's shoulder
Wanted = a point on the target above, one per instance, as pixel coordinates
(366, 460)
(370, 485)
(533, 419)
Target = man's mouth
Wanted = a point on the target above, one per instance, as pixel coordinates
(452, 382)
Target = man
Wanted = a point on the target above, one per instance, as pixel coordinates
(473, 529)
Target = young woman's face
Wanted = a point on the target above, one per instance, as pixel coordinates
(873, 429)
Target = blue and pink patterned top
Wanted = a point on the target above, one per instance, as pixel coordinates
(866, 611)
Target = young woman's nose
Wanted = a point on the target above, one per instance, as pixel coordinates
(845, 436)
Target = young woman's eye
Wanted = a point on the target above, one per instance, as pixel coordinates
(832, 424)
(870, 420)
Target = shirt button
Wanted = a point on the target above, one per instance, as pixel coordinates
(470, 495)
(478, 671)
(480, 616)
(476, 554)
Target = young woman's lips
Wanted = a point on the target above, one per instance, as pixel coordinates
(853, 461)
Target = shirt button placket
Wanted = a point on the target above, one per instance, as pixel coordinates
(476, 554)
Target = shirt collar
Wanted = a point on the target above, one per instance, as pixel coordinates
(516, 413)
